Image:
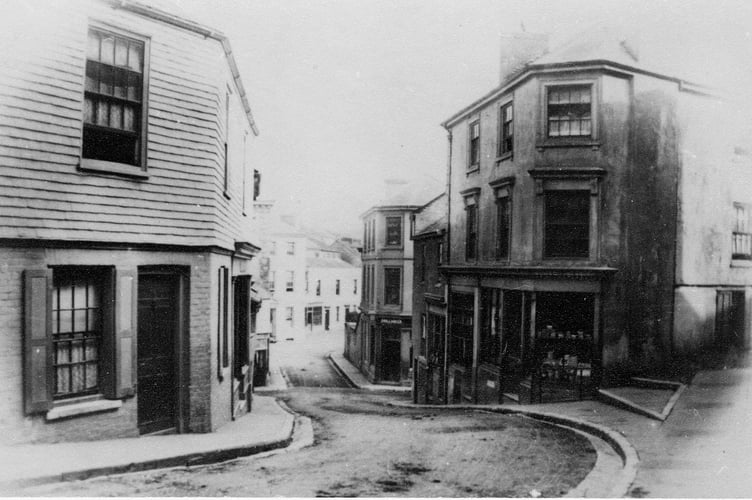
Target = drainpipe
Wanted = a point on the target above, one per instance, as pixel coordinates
(448, 258)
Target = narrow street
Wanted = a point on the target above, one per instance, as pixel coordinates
(366, 447)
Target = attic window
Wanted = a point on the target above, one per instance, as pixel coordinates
(569, 111)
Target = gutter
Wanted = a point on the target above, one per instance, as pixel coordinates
(173, 20)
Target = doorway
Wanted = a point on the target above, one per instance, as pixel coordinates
(391, 353)
(159, 326)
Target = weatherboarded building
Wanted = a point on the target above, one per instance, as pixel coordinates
(599, 223)
(125, 235)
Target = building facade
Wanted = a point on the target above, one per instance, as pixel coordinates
(332, 288)
(429, 302)
(580, 244)
(125, 240)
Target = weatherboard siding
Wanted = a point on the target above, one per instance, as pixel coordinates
(41, 122)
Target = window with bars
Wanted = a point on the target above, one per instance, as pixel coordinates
(569, 111)
(567, 224)
(742, 234)
(506, 130)
(113, 98)
(76, 333)
(474, 147)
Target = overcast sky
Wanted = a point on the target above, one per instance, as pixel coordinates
(349, 93)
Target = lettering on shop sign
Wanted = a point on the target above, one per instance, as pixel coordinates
(388, 321)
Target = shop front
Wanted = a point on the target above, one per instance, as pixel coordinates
(523, 340)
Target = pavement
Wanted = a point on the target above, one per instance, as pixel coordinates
(269, 426)
(701, 449)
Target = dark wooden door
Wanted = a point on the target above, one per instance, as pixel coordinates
(157, 334)
(390, 354)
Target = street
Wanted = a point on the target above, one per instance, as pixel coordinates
(366, 447)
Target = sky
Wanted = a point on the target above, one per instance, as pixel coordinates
(348, 93)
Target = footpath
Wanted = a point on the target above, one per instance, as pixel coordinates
(266, 428)
(701, 450)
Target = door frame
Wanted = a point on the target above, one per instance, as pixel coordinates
(182, 337)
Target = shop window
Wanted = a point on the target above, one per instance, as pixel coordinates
(394, 231)
(461, 329)
(742, 234)
(474, 146)
(392, 286)
(114, 100)
(506, 130)
(490, 328)
(569, 109)
(567, 224)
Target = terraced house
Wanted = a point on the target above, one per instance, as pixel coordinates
(599, 222)
(125, 234)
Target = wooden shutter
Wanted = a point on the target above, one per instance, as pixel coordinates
(38, 355)
(124, 345)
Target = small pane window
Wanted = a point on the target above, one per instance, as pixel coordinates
(474, 144)
(742, 235)
(567, 224)
(392, 285)
(569, 111)
(506, 142)
(394, 231)
(76, 332)
(113, 96)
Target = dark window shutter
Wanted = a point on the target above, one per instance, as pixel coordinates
(125, 333)
(38, 356)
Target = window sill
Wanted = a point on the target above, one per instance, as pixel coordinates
(82, 408)
(568, 143)
(109, 167)
(741, 263)
(504, 157)
(472, 169)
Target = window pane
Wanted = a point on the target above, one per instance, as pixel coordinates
(92, 49)
(62, 353)
(66, 321)
(91, 375)
(120, 83)
(121, 52)
(103, 115)
(129, 118)
(92, 77)
(79, 296)
(93, 320)
(134, 87)
(61, 374)
(105, 80)
(78, 383)
(116, 116)
(108, 49)
(79, 320)
(135, 56)
(66, 296)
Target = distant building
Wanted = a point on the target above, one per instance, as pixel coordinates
(125, 235)
(311, 287)
(599, 225)
(381, 344)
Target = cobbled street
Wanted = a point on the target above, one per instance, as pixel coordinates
(366, 447)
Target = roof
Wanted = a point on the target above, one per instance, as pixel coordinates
(695, 55)
(181, 22)
(408, 195)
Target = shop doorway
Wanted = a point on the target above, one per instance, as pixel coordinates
(158, 334)
(391, 353)
(515, 342)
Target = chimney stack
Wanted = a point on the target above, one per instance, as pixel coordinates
(518, 49)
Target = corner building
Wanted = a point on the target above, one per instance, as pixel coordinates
(581, 246)
(125, 239)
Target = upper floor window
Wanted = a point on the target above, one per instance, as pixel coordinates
(336, 287)
(272, 280)
(274, 248)
(289, 315)
(318, 287)
(566, 224)
(394, 231)
(290, 248)
(506, 129)
(114, 98)
(474, 146)
(471, 223)
(392, 286)
(742, 235)
(503, 193)
(290, 282)
(355, 287)
(569, 110)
